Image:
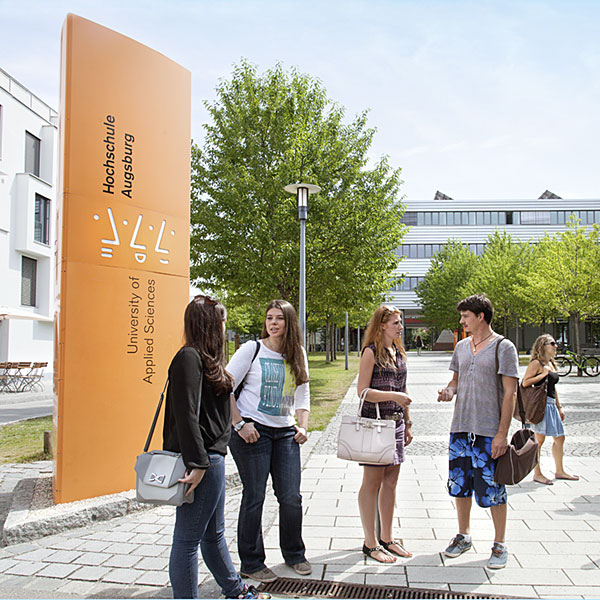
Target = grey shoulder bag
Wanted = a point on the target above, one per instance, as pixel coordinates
(158, 471)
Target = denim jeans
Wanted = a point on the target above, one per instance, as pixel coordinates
(276, 452)
(203, 523)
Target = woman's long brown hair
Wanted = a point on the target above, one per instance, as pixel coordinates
(539, 351)
(204, 331)
(374, 335)
(292, 342)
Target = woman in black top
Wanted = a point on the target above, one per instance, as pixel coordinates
(541, 367)
(197, 425)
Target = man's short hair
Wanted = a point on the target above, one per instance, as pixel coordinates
(478, 303)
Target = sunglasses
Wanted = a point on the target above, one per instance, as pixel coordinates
(202, 299)
(392, 309)
(551, 344)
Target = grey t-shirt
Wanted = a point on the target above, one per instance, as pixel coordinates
(478, 401)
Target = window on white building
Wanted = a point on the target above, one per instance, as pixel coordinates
(42, 220)
(0, 130)
(28, 280)
(32, 154)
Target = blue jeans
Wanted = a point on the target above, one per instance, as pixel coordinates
(276, 452)
(203, 522)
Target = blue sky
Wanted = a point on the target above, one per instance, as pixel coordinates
(479, 99)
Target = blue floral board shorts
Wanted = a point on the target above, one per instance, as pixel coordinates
(472, 468)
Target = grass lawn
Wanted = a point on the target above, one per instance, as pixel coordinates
(24, 441)
(328, 386)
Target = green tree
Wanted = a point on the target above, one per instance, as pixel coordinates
(500, 274)
(265, 132)
(444, 284)
(566, 273)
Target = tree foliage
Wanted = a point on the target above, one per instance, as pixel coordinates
(265, 132)
(531, 283)
(445, 283)
(500, 275)
(566, 273)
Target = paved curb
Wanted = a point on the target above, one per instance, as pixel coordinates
(28, 521)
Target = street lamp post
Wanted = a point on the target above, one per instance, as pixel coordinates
(302, 191)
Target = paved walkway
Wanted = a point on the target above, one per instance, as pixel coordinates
(553, 531)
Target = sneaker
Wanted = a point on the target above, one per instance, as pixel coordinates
(264, 575)
(457, 546)
(302, 568)
(498, 557)
(249, 591)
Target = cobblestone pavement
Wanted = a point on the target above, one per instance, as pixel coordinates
(554, 531)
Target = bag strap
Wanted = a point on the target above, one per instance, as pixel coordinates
(519, 398)
(243, 381)
(363, 395)
(160, 403)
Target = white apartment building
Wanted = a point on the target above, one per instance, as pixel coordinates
(433, 223)
(28, 151)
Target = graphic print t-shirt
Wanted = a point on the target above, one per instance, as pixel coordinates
(270, 395)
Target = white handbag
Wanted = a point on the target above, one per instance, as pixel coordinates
(369, 441)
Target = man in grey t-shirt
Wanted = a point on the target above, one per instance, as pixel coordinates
(479, 431)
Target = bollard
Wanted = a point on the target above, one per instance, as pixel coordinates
(48, 443)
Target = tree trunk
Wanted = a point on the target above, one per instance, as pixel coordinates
(505, 327)
(236, 341)
(333, 341)
(517, 333)
(327, 343)
(577, 342)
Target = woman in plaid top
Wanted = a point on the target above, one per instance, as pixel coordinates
(383, 371)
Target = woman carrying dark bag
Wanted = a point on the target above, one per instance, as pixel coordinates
(543, 368)
(197, 424)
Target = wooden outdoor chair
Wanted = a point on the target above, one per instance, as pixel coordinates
(32, 380)
(4, 376)
(18, 376)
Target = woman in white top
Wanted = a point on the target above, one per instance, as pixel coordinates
(269, 421)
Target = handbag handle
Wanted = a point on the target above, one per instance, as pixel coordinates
(519, 398)
(363, 395)
(160, 402)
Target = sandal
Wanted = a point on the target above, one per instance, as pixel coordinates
(369, 552)
(386, 545)
(567, 477)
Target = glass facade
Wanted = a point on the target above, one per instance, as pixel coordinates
(534, 217)
(42, 220)
(409, 283)
(429, 250)
(28, 281)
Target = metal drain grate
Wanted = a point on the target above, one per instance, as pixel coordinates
(338, 589)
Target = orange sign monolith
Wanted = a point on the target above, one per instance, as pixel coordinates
(123, 252)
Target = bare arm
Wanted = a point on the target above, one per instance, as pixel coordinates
(248, 432)
(365, 372)
(500, 441)
(446, 394)
(535, 373)
(302, 419)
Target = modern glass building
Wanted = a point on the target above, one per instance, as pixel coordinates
(433, 223)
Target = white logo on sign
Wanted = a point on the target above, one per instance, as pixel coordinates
(141, 253)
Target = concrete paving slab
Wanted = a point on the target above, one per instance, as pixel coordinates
(89, 573)
(58, 570)
(437, 575)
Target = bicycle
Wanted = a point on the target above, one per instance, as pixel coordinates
(590, 365)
